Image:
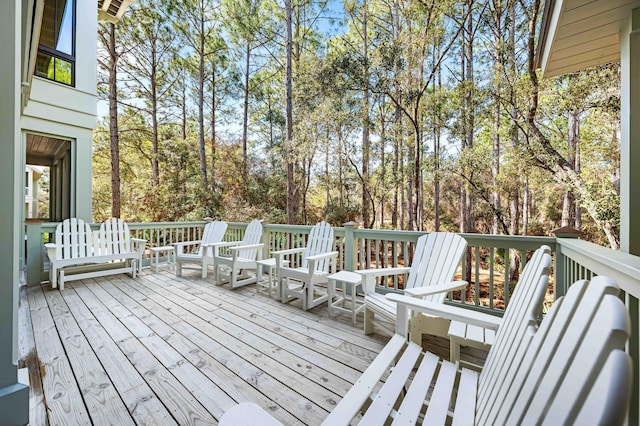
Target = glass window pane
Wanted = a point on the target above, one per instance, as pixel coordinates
(63, 71)
(44, 65)
(65, 33)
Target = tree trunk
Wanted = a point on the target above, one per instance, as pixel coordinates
(436, 148)
(213, 120)
(203, 154)
(114, 137)
(289, 117)
(155, 172)
(245, 115)
(568, 207)
(495, 166)
(383, 162)
(366, 144)
(184, 107)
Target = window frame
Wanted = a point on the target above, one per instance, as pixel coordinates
(56, 54)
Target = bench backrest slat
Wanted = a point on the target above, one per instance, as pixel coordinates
(74, 237)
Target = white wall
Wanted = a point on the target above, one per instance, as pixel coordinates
(69, 113)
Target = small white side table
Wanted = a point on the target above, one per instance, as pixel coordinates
(350, 281)
(171, 257)
(272, 282)
(462, 334)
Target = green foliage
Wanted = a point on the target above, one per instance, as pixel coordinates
(417, 94)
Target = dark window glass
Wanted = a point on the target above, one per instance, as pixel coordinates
(56, 51)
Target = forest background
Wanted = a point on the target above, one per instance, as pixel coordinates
(403, 114)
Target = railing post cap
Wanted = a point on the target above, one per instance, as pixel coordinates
(208, 219)
(567, 232)
(352, 224)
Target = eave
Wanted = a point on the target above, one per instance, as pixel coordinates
(578, 34)
(112, 10)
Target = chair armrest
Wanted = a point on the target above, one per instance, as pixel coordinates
(331, 255)
(181, 245)
(322, 256)
(139, 240)
(383, 272)
(369, 276)
(453, 313)
(288, 251)
(212, 249)
(247, 247)
(222, 244)
(435, 289)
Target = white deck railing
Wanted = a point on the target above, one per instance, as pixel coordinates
(488, 261)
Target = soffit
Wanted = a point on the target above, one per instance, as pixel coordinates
(45, 150)
(112, 10)
(578, 34)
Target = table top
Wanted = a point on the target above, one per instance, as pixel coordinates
(346, 276)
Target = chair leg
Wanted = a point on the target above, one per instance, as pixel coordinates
(61, 278)
(53, 277)
(368, 321)
(233, 278)
(205, 268)
(454, 349)
(178, 268)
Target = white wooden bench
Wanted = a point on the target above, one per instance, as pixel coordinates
(571, 370)
(88, 254)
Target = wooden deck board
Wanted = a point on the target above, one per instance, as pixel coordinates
(165, 350)
(141, 401)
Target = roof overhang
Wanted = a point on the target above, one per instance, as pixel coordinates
(578, 34)
(112, 10)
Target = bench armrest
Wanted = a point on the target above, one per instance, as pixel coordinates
(52, 248)
(435, 289)
(453, 313)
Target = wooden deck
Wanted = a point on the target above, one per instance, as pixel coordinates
(166, 350)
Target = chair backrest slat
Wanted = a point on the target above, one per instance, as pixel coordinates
(321, 240)
(519, 324)
(252, 236)
(213, 233)
(574, 369)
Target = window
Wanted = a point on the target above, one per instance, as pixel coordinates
(56, 51)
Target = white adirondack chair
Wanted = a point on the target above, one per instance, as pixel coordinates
(318, 261)
(525, 307)
(435, 260)
(213, 233)
(571, 370)
(244, 255)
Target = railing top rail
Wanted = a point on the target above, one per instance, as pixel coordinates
(622, 267)
(499, 241)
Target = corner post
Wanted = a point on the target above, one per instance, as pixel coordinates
(34, 252)
(630, 177)
(14, 395)
(350, 249)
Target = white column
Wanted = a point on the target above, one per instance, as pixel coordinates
(14, 396)
(630, 130)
